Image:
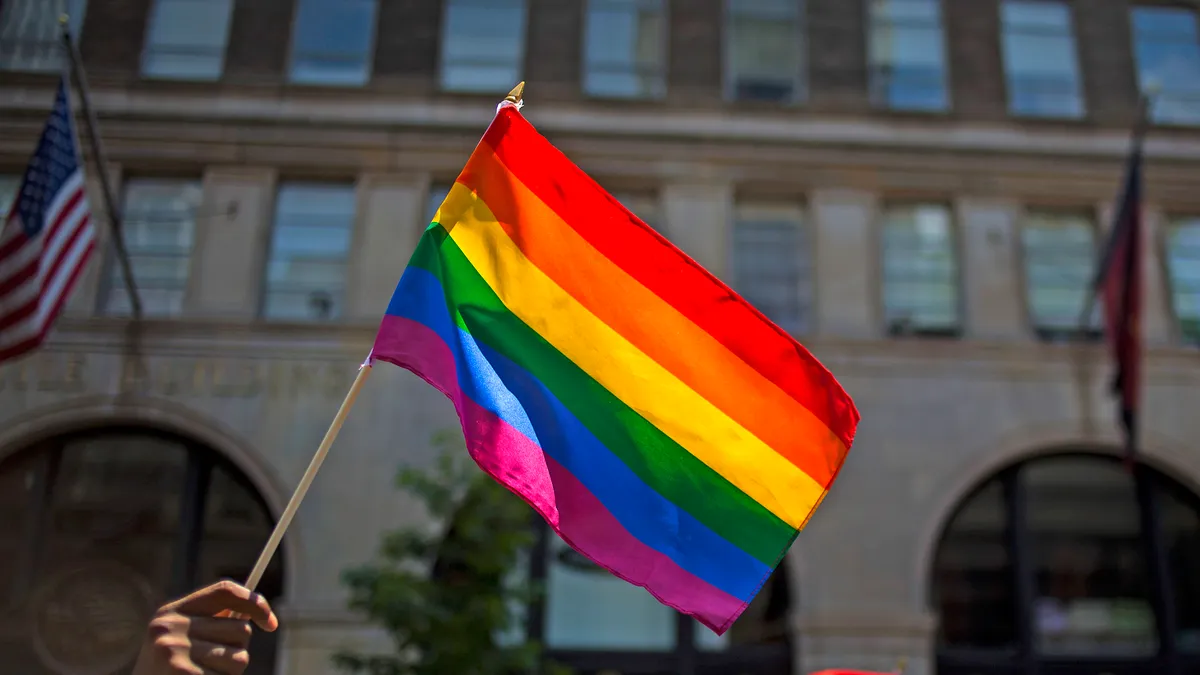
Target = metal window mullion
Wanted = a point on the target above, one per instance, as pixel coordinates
(685, 644)
(535, 618)
(193, 501)
(38, 523)
(1161, 599)
(1023, 570)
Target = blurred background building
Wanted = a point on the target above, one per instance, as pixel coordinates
(916, 188)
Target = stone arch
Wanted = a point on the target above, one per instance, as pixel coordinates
(97, 412)
(1163, 453)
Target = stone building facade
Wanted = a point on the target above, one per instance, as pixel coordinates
(917, 188)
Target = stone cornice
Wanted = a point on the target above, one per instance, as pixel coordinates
(367, 111)
(767, 154)
(905, 358)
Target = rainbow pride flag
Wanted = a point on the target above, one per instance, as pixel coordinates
(661, 425)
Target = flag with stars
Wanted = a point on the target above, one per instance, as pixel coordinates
(47, 236)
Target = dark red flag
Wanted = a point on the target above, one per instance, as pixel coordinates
(1119, 284)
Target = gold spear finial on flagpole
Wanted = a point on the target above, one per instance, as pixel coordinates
(517, 93)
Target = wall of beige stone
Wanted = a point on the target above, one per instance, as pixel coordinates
(937, 416)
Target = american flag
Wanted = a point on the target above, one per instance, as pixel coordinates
(47, 237)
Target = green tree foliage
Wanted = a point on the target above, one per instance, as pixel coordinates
(446, 595)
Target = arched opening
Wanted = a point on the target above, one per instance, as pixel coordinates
(1070, 564)
(102, 526)
(596, 623)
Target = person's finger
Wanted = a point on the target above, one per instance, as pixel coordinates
(228, 595)
(229, 632)
(224, 659)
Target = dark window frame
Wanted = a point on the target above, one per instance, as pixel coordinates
(685, 659)
(1151, 488)
(200, 464)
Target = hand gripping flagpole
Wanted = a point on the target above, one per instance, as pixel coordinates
(289, 512)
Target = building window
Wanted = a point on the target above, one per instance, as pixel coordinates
(764, 51)
(158, 225)
(1167, 50)
(332, 42)
(310, 245)
(1183, 270)
(437, 194)
(643, 205)
(1048, 562)
(907, 55)
(483, 45)
(129, 517)
(29, 33)
(626, 629)
(920, 271)
(186, 39)
(771, 267)
(625, 49)
(9, 184)
(1060, 259)
(1040, 60)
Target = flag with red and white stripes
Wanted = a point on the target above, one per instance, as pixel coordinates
(47, 237)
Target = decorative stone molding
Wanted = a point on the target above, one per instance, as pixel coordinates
(872, 641)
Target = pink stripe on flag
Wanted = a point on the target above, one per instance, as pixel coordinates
(518, 463)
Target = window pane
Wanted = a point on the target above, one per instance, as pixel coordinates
(624, 50)
(159, 225)
(332, 42)
(1183, 272)
(1167, 51)
(306, 271)
(1181, 535)
(644, 206)
(1091, 584)
(1040, 59)
(920, 272)
(437, 195)
(771, 266)
(973, 575)
(619, 616)
(483, 45)
(29, 34)
(1060, 256)
(186, 39)
(907, 55)
(765, 621)
(8, 190)
(22, 480)
(765, 48)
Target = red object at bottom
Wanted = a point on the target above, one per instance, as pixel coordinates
(852, 672)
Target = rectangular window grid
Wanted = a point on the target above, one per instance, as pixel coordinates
(625, 49)
(186, 39)
(771, 267)
(333, 42)
(643, 205)
(920, 270)
(310, 247)
(9, 184)
(1183, 273)
(764, 50)
(158, 225)
(483, 45)
(906, 52)
(1060, 258)
(1167, 51)
(29, 34)
(1041, 64)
